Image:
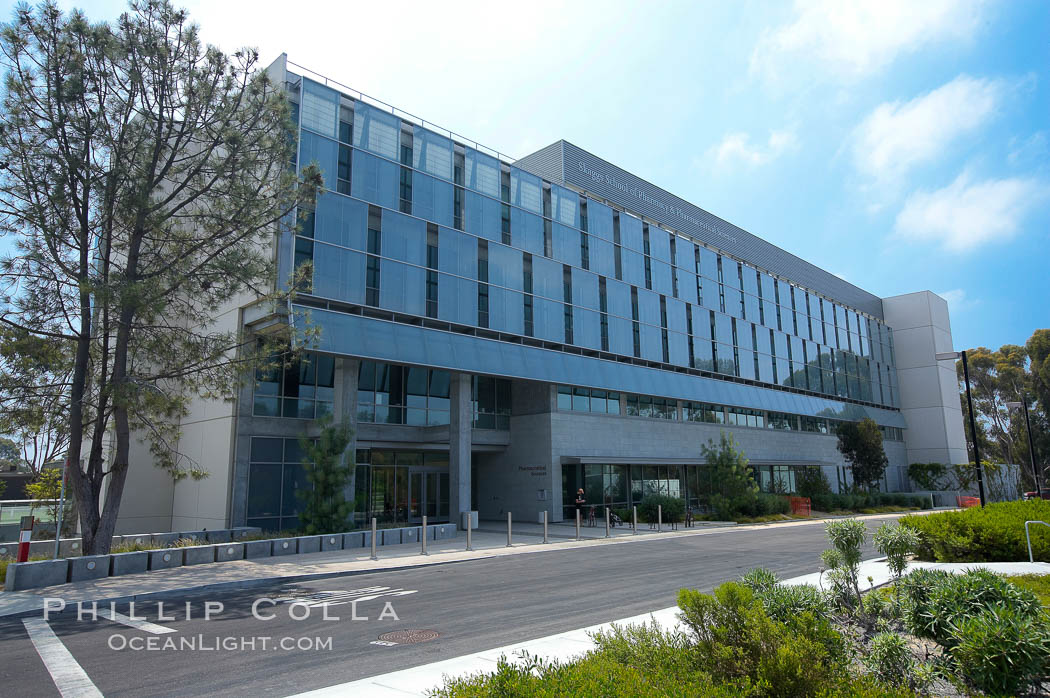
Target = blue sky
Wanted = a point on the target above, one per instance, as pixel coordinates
(901, 145)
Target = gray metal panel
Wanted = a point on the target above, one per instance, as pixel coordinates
(546, 162)
(564, 162)
(368, 338)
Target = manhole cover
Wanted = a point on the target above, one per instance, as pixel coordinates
(408, 637)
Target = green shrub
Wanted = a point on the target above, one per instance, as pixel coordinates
(760, 580)
(843, 560)
(937, 602)
(672, 508)
(994, 533)
(811, 482)
(1001, 651)
(1038, 584)
(868, 500)
(737, 641)
(889, 659)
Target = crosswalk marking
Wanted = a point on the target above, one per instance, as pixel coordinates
(70, 678)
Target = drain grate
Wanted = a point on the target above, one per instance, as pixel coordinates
(409, 637)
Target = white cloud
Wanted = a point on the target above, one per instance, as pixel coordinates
(967, 214)
(738, 147)
(848, 40)
(896, 136)
(957, 300)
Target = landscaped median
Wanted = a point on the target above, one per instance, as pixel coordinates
(931, 633)
(993, 533)
(157, 552)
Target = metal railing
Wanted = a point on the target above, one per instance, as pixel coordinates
(407, 116)
(1028, 536)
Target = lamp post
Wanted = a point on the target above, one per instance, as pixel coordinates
(951, 356)
(1031, 449)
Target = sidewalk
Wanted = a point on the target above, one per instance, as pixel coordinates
(489, 541)
(565, 647)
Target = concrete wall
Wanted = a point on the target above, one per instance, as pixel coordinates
(929, 391)
(146, 502)
(510, 481)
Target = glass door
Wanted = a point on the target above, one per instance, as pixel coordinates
(428, 495)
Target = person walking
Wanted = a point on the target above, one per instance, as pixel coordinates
(581, 501)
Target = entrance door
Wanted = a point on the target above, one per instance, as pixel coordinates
(428, 495)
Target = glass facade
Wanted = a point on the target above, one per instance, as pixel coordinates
(395, 487)
(434, 228)
(298, 386)
(623, 486)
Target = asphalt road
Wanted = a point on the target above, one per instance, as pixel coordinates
(473, 606)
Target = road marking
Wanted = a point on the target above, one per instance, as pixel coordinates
(137, 623)
(70, 679)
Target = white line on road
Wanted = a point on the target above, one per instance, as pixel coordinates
(136, 623)
(70, 679)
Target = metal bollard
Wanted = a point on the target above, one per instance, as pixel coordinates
(470, 520)
(577, 524)
(546, 539)
(634, 520)
(423, 537)
(508, 530)
(606, 522)
(374, 556)
(659, 518)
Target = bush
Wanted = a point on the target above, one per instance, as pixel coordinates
(811, 482)
(889, 659)
(672, 509)
(737, 641)
(1001, 651)
(750, 505)
(858, 501)
(938, 602)
(994, 533)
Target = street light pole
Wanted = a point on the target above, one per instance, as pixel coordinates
(1031, 448)
(973, 430)
(951, 356)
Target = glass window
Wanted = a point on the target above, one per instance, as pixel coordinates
(320, 109)
(526, 190)
(376, 131)
(432, 153)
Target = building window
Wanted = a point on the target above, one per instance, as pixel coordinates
(483, 286)
(743, 417)
(588, 400)
(780, 420)
(275, 476)
(491, 401)
(432, 275)
(392, 394)
(815, 425)
(703, 412)
(298, 386)
(652, 407)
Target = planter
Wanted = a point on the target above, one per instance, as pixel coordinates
(82, 569)
(165, 559)
(198, 554)
(257, 548)
(225, 552)
(309, 544)
(284, 546)
(32, 575)
(128, 563)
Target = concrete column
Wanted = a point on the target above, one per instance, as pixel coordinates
(929, 389)
(344, 408)
(459, 440)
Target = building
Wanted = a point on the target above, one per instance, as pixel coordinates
(503, 332)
